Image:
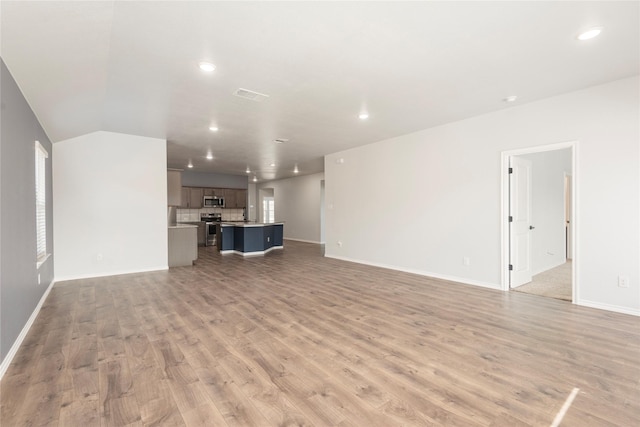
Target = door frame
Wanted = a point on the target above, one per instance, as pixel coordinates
(504, 209)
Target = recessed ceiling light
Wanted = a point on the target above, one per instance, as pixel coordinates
(272, 165)
(590, 33)
(209, 156)
(190, 165)
(363, 116)
(206, 66)
(213, 129)
(511, 98)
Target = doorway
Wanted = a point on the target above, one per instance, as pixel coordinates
(538, 211)
(266, 205)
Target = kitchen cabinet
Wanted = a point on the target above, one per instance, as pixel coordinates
(174, 187)
(230, 198)
(216, 192)
(202, 231)
(241, 199)
(183, 245)
(185, 197)
(192, 197)
(196, 195)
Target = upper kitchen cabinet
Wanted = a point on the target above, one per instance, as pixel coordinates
(192, 198)
(214, 192)
(174, 187)
(241, 198)
(197, 196)
(230, 198)
(185, 195)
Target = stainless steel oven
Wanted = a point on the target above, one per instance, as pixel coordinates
(212, 222)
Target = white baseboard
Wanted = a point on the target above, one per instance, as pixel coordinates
(608, 307)
(302, 240)
(110, 273)
(25, 330)
(255, 253)
(422, 273)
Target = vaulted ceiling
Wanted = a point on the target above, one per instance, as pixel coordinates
(132, 67)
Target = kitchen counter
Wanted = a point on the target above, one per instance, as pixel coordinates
(249, 223)
(183, 244)
(180, 225)
(202, 231)
(249, 238)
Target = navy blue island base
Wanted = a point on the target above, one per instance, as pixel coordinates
(250, 238)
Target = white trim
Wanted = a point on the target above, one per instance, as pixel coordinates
(253, 253)
(609, 307)
(302, 240)
(25, 330)
(110, 273)
(42, 261)
(459, 280)
(504, 208)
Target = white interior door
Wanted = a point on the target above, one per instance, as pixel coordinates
(567, 214)
(520, 221)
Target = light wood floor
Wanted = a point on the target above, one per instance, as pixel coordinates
(295, 339)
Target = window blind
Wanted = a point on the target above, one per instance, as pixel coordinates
(41, 198)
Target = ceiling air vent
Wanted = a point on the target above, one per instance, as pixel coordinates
(251, 95)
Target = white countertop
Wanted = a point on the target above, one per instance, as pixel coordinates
(248, 224)
(183, 226)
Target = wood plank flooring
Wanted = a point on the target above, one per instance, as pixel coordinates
(295, 339)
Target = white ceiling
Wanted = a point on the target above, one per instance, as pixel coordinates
(131, 67)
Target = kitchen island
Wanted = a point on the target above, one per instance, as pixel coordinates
(249, 238)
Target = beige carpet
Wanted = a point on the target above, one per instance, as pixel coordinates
(554, 283)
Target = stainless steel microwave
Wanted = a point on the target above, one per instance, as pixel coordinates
(213, 202)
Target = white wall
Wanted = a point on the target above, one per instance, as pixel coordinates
(548, 239)
(110, 205)
(252, 208)
(297, 203)
(422, 202)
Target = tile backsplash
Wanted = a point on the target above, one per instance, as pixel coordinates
(188, 215)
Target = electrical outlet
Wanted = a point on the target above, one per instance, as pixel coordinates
(623, 281)
(466, 261)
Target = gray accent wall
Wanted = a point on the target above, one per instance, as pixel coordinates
(216, 180)
(19, 288)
